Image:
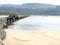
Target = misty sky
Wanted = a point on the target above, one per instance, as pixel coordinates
(55, 2)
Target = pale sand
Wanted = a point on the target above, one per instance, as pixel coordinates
(42, 37)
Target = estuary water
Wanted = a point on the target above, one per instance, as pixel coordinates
(3, 16)
(38, 22)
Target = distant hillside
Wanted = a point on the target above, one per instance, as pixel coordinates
(31, 8)
(30, 5)
(37, 5)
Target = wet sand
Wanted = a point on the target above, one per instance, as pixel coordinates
(26, 37)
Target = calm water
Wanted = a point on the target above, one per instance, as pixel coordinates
(3, 16)
(38, 22)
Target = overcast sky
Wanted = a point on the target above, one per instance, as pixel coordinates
(55, 2)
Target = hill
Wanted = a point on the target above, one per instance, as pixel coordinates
(30, 8)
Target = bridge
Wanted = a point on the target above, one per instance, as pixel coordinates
(8, 20)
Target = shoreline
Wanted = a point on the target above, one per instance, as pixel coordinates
(26, 37)
(32, 37)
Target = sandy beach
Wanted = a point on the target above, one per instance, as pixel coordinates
(25, 37)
